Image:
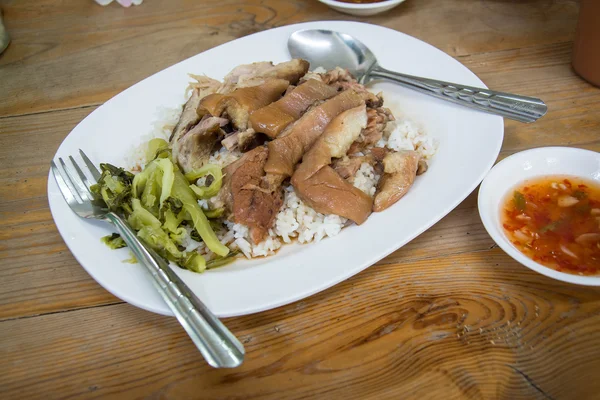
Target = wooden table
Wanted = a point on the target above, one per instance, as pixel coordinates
(448, 316)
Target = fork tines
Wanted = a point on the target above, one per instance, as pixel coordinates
(92, 168)
(75, 186)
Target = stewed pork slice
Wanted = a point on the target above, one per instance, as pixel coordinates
(346, 167)
(289, 89)
(244, 71)
(191, 139)
(204, 84)
(192, 150)
(400, 170)
(258, 73)
(341, 79)
(241, 140)
(334, 142)
(272, 119)
(378, 119)
(289, 147)
(189, 117)
(422, 167)
(246, 201)
(248, 159)
(241, 102)
(212, 104)
(378, 153)
(317, 183)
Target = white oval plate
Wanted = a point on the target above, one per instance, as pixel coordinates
(469, 143)
(516, 169)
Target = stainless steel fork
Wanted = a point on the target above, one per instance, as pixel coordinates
(218, 345)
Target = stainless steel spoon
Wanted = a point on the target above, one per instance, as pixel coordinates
(329, 49)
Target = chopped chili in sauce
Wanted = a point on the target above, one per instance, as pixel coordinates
(555, 221)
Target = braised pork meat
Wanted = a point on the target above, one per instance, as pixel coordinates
(378, 119)
(311, 131)
(287, 150)
(400, 170)
(318, 185)
(241, 102)
(275, 117)
(258, 73)
(193, 149)
(245, 199)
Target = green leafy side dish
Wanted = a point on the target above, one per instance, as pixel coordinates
(161, 204)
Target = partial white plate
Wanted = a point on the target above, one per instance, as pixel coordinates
(469, 143)
(519, 167)
(362, 9)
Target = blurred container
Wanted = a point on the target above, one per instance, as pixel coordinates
(4, 38)
(362, 9)
(586, 51)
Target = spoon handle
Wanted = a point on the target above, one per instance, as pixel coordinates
(519, 108)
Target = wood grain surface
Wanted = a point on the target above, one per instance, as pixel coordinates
(476, 325)
(448, 316)
(53, 43)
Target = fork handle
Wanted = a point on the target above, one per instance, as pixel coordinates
(218, 345)
(513, 106)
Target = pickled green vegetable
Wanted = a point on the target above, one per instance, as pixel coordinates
(195, 262)
(140, 180)
(168, 175)
(114, 189)
(158, 240)
(183, 193)
(208, 169)
(161, 205)
(131, 260)
(206, 192)
(552, 226)
(221, 261)
(156, 148)
(141, 217)
(114, 241)
(519, 200)
(216, 213)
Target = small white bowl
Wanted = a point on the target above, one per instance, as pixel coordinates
(519, 167)
(362, 9)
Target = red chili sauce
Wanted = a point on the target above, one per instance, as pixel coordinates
(555, 221)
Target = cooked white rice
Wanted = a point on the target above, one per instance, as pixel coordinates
(224, 157)
(296, 220)
(161, 128)
(404, 134)
(366, 179)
